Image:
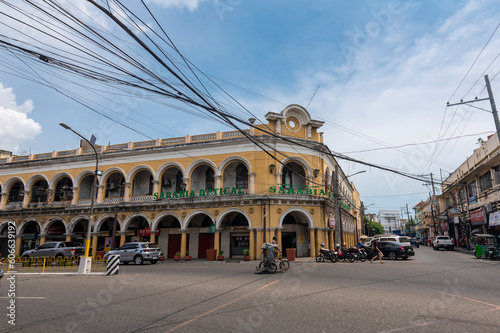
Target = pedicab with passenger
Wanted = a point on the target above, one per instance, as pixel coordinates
(269, 262)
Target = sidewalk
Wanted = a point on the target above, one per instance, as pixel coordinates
(228, 260)
(456, 248)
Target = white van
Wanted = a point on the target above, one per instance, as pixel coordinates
(392, 238)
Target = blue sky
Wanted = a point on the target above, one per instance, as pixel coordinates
(385, 70)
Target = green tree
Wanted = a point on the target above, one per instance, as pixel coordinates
(375, 228)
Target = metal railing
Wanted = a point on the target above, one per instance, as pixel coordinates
(53, 265)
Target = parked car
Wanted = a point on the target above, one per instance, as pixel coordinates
(443, 242)
(137, 252)
(56, 250)
(393, 250)
(391, 238)
(414, 242)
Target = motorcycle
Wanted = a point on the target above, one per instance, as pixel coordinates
(359, 253)
(346, 255)
(325, 254)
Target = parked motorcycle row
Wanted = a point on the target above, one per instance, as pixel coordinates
(351, 254)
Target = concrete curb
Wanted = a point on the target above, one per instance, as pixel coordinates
(69, 274)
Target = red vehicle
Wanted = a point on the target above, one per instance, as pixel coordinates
(345, 254)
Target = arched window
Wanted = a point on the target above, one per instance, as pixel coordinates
(115, 186)
(64, 190)
(235, 175)
(39, 191)
(16, 192)
(241, 176)
(85, 188)
(171, 180)
(209, 179)
(143, 183)
(293, 175)
(178, 181)
(202, 178)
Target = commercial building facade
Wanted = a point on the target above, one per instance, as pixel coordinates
(191, 193)
(470, 199)
(390, 220)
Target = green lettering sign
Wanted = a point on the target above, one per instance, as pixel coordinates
(201, 193)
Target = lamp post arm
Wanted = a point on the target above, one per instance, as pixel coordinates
(86, 140)
(93, 192)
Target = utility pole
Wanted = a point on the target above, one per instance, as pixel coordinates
(338, 231)
(265, 231)
(432, 205)
(492, 103)
(408, 221)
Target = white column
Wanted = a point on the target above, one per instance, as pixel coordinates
(251, 183)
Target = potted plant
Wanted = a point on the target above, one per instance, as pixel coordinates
(187, 257)
(211, 254)
(220, 257)
(177, 256)
(246, 254)
(162, 256)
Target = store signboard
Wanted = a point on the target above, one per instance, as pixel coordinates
(147, 232)
(239, 229)
(331, 222)
(444, 225)
(477, 217)
(495, 219)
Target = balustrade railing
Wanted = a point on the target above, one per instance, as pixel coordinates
(112, 200)
(121, 146)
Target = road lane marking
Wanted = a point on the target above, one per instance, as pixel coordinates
(33, 297)
(495, 307)
(220, 307)
(413, 326)
(231, 302)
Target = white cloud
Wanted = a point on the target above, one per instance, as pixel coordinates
(16, 127)
(189, 4)
(395, 87)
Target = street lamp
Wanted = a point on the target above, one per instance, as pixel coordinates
(353, 174)
(94, 186)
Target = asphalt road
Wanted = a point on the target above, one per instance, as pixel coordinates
(434, 291)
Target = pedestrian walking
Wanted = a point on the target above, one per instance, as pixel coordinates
(376, 250)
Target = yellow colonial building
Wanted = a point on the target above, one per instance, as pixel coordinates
(192, 193)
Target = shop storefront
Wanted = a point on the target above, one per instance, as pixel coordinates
(478, 220)
(240, 240)
(494, 223)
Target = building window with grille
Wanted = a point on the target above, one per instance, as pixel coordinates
(241, 176)
(209, 179)
(497, 174)
(472, 189)
(485, 181)
(462, 195)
